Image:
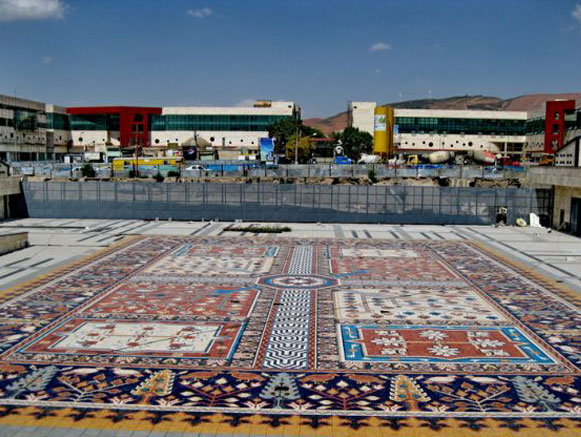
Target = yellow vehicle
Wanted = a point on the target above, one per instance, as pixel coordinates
(547, 160)
(120, 164)
(412, 160)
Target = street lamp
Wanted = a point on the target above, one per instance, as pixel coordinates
(297, 146)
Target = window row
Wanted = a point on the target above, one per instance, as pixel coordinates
(55, 120)
(468, 126)
(109, 122)
(214, 122)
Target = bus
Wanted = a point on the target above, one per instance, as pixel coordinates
(147, 166)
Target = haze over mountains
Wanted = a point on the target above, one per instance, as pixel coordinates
(528, 102)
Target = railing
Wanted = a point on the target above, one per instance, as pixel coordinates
(282, 171)
(282, 202)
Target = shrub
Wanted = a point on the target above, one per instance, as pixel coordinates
(131, 173)
(371, 176)
(88, 171)
(158, 177)
(173, 174)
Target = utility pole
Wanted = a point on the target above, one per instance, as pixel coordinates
(297, 146)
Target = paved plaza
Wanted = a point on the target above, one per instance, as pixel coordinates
(170, 328)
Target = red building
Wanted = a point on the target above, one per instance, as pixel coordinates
(132, 122)
(555, 123)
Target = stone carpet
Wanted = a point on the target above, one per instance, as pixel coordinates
(210, 335)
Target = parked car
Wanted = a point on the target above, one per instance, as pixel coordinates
(342, 160)
(196, 167)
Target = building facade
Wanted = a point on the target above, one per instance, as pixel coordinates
(23, 129)
(553, 129)
(514, 134)
(32, 130)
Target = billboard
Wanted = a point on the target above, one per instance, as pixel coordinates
(267, 149)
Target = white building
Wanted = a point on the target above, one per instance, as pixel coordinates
(361, 115)
(428, 130)
(229, 130)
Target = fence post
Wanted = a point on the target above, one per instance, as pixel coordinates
(349, 199)
(457, 202)
(440, 189)
(476, 201)
(367, 200)
(62, 195)
(331, 200)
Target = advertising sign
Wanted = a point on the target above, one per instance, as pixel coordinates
(92, 156)
(267, 150)
(380, 122)
(190, 153)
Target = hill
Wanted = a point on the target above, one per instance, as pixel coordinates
(529, 103)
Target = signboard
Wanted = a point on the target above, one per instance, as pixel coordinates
(190, 153)
(267, 150)
(92, 156)
(380, 122)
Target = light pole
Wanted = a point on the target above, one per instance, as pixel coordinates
(297, 146)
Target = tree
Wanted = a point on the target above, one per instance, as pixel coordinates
(88, 171)
(354, 142)
(304, 146)
(282, 130)
(308, 131)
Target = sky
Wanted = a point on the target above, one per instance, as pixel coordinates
(320, 54)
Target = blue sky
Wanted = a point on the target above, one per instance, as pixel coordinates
(318, 53)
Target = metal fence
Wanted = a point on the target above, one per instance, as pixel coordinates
(283, 171)
(282, 202)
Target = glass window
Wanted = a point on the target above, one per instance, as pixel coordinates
(466, 126)
(213, 122)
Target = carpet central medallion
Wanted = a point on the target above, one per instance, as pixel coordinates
(304, 282)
